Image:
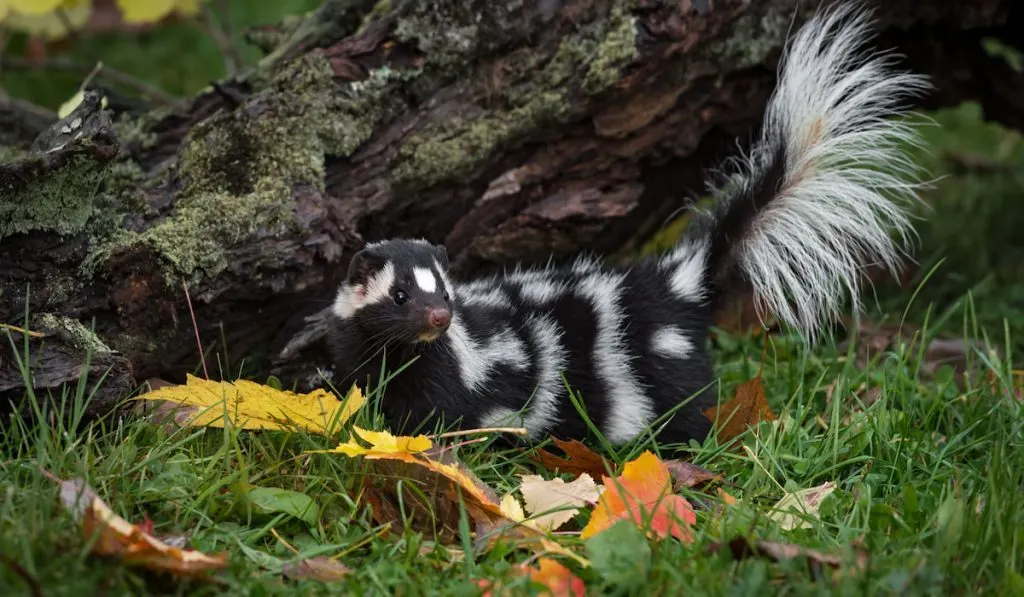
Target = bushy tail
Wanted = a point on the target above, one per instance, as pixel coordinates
(821, 194)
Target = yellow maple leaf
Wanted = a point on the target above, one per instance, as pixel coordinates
(249, 405)
(382, 442)
(31, 7)
(39, 18)
(151, 11)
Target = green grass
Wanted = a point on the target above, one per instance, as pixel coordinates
(928, 477)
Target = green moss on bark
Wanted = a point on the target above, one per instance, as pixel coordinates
(62, 201)
(753, 39)
(585, 64)
(71, 332)
(237, 169)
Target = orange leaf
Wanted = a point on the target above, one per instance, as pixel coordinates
(747, 408)
(580, 459)
(556, 578)
(643, 495)
(116, 536)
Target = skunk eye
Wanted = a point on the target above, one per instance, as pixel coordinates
(446, 297)
(400, 297)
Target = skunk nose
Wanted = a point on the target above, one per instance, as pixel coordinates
(439, 318)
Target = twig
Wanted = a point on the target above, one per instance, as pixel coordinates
(287, 545)
(512, 430)
(113, 75)
(92, 75)
(23, 331)
(195, 327)
(222, 34)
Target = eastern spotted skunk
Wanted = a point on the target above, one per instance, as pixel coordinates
(817, 198)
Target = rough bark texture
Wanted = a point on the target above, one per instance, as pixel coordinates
(508, 131)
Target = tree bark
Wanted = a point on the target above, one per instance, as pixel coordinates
(507, 131)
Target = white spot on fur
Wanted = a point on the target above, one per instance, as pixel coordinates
(425, 279)
(476, 359)
(672, 342)
(846, 172)
(630, 410)
(550, 363)
(352, 298)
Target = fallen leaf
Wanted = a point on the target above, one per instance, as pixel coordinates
(116, 536)
(742, 548)
(747, 408)
(642, 493)
(686, 474)
(552, 503)
(556, 578)
(320, 568)
(407, 488)
(806, 502)
(383, 443)
(579, 459)
(249, 405)
(726, 497)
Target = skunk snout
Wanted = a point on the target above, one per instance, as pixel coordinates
(439, 317)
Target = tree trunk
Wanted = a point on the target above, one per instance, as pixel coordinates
(507, 131)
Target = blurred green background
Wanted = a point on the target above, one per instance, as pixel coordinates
(970, 240)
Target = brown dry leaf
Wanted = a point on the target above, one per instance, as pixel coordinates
(686, 474)
(552, 503)
(320, 568)
(579, 459)
(249, 405)
(805, 502)
(747, 408)
(430, 491)
(116, 536)
(816, 560)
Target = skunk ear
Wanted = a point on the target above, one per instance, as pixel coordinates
(442, 255)
(363, 265)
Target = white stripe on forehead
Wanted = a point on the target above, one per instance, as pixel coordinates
(425, 279)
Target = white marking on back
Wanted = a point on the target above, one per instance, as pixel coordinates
(477, 359)
(685, 266)
(491, 297)
(672, 342)
(352, 298)
(541, 290)
(501, 416)
(629, 410)
(425, 278)
(550, 363)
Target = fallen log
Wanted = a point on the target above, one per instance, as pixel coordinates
(509, 132)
